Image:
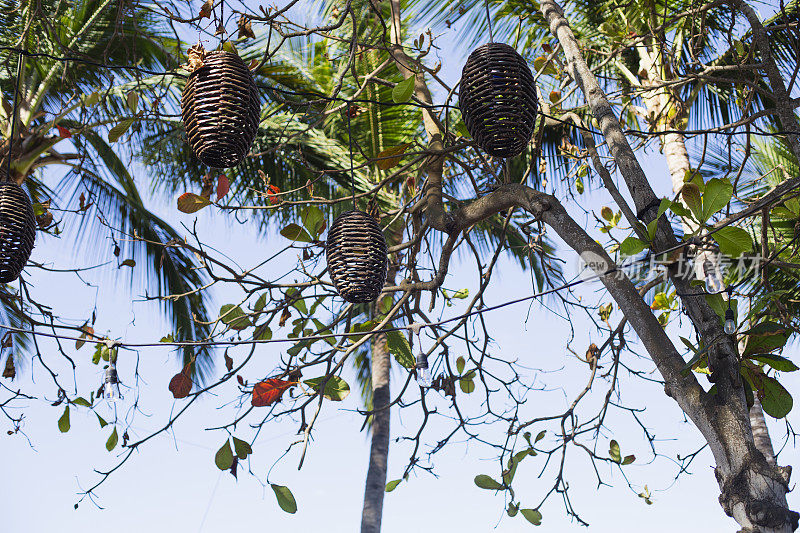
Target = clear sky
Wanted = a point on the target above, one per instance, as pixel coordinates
(172, 484)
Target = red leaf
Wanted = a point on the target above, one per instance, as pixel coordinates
(272, 190)
(228, 362)
(181, 384)
(240, 380)
(223, 186)
(63, 132)
(269, 391)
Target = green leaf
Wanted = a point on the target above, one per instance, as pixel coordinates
(224, 457)
(733, 241)
(631, 246)
(132, 99)
(313, 219)
(242, 448)
(300, 305)
(793, 205)
(285, 498)
(336, 388)
(690, 193)
(91, 99)
(260, 303)
(234, 317)
(777, 362)
(485, 482)
(765, 337)
(102, 421)
(652, 226)
(540, 436)
(111, 443)
(402, 91)
(121, 127)
(359, 328)
(81, 401)
(532, 515)
(663, 206)
(460, 364)
(467, 385)
(398, 346)
(613, 451)
(679, 210)
(775, 399)
(392, 485)
(460, 294)
(263, 333)
(579, 185)
(607, 213)
(293, 232)
(512, 509)
(628, 459)
(716, 196)
(541, 64)
(63, 422)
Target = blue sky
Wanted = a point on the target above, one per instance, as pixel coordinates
(171, 484)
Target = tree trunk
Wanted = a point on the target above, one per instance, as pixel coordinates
(752, 491)
(379, 450)
(381, 360)
(658, 103)
(760, 432)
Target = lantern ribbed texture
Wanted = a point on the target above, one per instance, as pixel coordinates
(17, 229)
(498, 99)
(220, 109)
(356, 252)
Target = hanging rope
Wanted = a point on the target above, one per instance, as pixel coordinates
(489, 21)
(14, 111)
(350, 146)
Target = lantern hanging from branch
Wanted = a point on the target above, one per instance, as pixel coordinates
(220, 107)
(357, 257)
(498, 99)
(17, 229)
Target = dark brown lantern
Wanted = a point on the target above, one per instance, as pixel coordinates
(17, 229)
(357, 257)
(220, 107)
(498, 99)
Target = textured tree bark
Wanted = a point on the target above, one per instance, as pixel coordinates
(663, 108)
(752, 491)
(374, 488)
(761, 433)
(372, 511)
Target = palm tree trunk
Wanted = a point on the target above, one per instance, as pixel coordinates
(372, 511)
(375, 486)
(760, 432)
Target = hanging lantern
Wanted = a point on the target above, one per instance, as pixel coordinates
(498, 99)
(17, 229)
(220, 107)
(357, 258)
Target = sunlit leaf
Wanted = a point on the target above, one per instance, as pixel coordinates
(269, 391)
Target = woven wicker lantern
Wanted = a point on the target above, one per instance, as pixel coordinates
(356, 252)
(498, 99)
(17, 229)
(220, 107)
